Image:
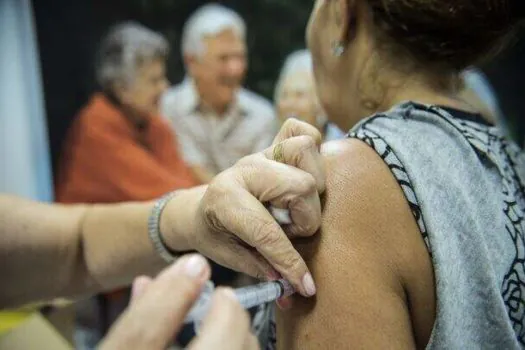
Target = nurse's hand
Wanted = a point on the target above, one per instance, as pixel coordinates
(228, 221)
(158, 308)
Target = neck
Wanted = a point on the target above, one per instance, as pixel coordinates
(401, 88)
(139, 120)
(216, 109)
(423, 94)
(206, 103)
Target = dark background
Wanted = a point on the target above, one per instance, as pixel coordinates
(69, 31)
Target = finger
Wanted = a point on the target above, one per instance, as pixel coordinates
(284, 303)
(155, 317)
(140, 285)
(284, 187)
(293, 127)
(306, 217)
(251, 342)
(225, 326)
(301, 152)
(248, 260)
(254, 225)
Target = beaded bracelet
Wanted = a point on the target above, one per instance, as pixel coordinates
(154, 233)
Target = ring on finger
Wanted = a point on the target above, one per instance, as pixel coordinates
(278, 153)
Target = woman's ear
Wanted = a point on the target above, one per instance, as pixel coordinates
(345, 14)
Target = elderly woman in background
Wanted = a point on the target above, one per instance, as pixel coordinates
(295, 95)
(118, 148)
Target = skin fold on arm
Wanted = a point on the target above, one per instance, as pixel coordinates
(373, 271)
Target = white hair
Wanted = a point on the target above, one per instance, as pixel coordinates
(297, 62)
(126, 46)
(209, 20)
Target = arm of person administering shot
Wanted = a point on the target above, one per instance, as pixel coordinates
(49, 251)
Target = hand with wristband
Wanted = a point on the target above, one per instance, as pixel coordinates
(50, 251)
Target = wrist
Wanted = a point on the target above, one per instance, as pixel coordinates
(177, 222)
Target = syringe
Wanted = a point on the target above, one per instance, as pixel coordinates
(248, 297)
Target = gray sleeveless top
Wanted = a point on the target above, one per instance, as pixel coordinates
(464, 184)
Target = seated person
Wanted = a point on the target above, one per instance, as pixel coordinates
(296, 96)
(422, 242)
(119, 148)
(217, 120)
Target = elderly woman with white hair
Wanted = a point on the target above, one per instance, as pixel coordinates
(119, 148)
(296, 96)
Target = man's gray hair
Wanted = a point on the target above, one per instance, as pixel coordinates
(127, 46)
(298, 61)
(209, 20)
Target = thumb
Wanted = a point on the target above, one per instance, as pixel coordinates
(293, 127)
(153, 320)
(302, 153)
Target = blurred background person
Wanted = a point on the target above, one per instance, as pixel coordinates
(296, 96)
(217, 121)
(119, 149)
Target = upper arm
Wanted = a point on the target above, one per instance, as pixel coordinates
(185, 138)
(192, 152)
(372, 270)
(37, 238)
(266, 133)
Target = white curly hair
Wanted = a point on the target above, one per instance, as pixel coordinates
(209, 20)
(126, 46)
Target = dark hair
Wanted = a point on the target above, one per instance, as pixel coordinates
(450, 34)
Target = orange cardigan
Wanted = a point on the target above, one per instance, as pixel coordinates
(108, 159)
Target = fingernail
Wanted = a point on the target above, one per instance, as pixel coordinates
(273, 275)
(284, 303)
(308, 284)
(195, 266)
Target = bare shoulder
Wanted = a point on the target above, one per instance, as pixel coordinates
(373, 272)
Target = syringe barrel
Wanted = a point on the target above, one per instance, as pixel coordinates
(248, 297)
(263, 293)
(259, 294)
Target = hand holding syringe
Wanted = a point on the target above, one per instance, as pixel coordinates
(248, 297)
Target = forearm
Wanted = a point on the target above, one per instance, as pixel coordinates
(49, 251)
(116, 242)
(38, 249)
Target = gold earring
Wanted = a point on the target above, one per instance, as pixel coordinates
(338, 48)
